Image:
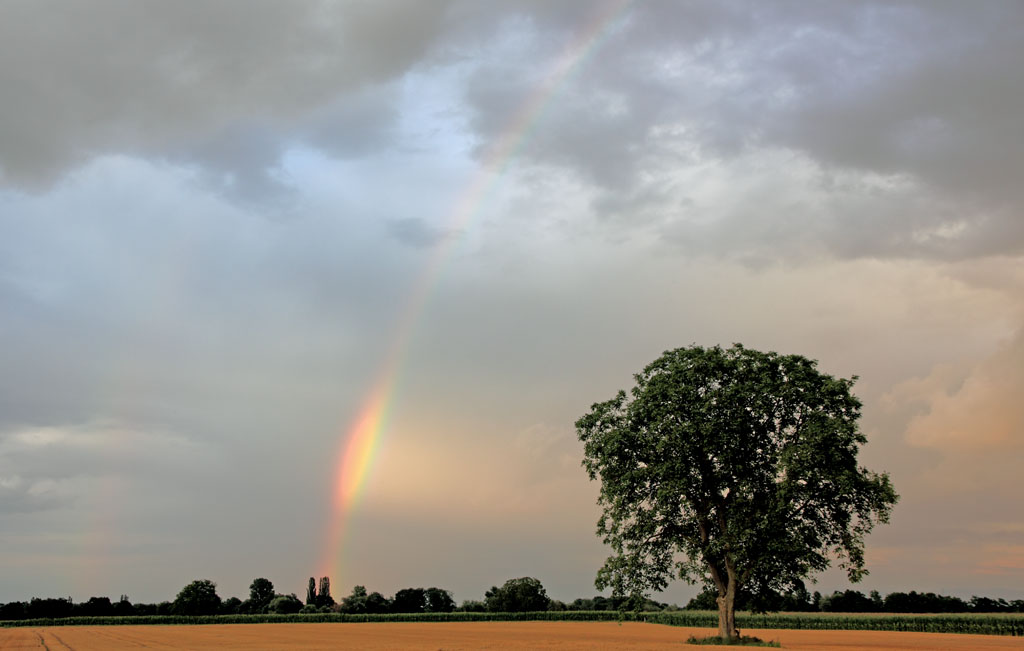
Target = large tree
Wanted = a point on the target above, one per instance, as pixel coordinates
(409, 600)
(525, 594)
(197, 598)
(439, 601)
(261, 593)
(732, 468)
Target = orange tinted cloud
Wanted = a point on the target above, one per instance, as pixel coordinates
(985, 412)
(1002, 559)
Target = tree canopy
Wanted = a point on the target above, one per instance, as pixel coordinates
(439, 600)
(261, 592)
(284, 604)
(409, 600)
(517, 595)
(198, 598)
(732, 468)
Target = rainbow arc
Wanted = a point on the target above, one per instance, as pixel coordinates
(362, 438)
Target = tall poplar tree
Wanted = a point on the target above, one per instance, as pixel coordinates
(311, 592)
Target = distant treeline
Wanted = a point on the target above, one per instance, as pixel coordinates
(852, 601)
(200, 597)
(526, 594)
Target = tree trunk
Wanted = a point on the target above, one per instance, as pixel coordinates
(727, 605)
(727, 613)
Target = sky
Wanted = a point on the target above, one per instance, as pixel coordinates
(306, 288)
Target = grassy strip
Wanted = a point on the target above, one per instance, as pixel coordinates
(980, 624)
(999, 624)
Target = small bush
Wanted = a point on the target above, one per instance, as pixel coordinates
(285, 604)
(743, 640)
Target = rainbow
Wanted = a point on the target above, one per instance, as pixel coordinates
(362, 438)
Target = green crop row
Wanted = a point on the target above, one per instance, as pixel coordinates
(1004, 624)
(1000, 624)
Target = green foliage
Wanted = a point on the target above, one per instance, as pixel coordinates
(50, 607)
(409, 600)
(517, 595)
(96, 607)
(360, 602)
(323, 597)
(261, 592)
(197, 598)
(285, 604)
(848, 601)
(355, 603)
(231, 606)
(123, 607)
(377, 603)
(732, 468)
(439, 601)
(797, 600)
(311, 592)
(14, 610)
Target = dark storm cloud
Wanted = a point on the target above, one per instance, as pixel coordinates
(920, 96)
(151, 78)
(243, 159)
(925, 92)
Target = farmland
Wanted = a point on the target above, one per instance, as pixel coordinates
(1011, 624)
(460, 635)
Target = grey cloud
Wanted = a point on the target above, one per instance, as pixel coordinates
(416, 232)
(240, 162)
(356, 124)
(923, 94)
(57, 467)
(920, 91)
(941, 100)
(243, 159)
(16, 496)
(153, 298)
(145, 77)
(926, 92)
(62, 452)
(597, 136)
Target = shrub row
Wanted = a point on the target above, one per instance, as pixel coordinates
(1009, 624)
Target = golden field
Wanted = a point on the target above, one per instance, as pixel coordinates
(460, 635)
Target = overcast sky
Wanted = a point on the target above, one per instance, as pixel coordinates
(218, 221)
